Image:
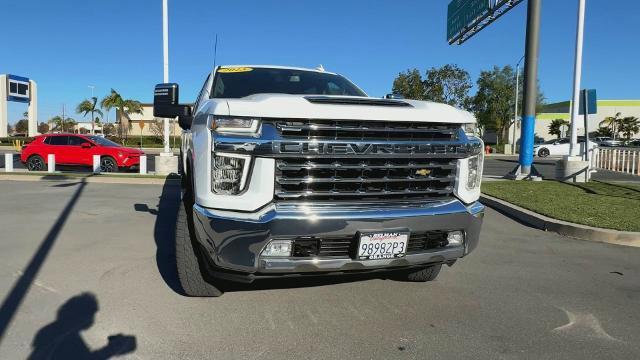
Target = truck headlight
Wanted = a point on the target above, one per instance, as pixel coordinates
(469, 178)
(470, 128)
(234, 124)
(229, 173)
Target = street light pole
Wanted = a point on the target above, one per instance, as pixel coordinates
(515, 112)
(530, 87)
(165, 48)
(577, 76)
(93, 120)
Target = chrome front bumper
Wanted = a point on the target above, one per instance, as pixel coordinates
(234, 240)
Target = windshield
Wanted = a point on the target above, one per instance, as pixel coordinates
(241, 82)
(104, 142)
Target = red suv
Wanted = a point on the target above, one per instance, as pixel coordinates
(74, 149)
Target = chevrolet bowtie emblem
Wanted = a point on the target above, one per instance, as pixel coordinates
(423, 172)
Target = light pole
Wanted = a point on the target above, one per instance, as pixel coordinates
(515, 111)
(95, 100)
(577, 76)
(165, 51)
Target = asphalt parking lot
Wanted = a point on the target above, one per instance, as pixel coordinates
(87, 269)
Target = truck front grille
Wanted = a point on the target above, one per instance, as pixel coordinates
(345, 246)
(349, 178)
(365, 130)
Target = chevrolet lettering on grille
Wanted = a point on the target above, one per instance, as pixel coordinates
(320, 148)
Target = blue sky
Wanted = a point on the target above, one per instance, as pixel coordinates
(66, 45)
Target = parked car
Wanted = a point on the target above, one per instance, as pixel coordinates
(78, 150)
(289, 171)
(607, 142)
(634, 143)
(559, 147)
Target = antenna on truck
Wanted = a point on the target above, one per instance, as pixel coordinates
(215, 52)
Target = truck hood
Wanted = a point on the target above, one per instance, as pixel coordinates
(343, 107)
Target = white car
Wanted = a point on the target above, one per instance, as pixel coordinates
(559, 147)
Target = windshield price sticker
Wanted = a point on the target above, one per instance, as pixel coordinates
(235, 69)
(384, 245)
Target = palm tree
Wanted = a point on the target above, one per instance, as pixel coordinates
(124, 107)
(62, 125)
(629, 125)
(612, 122)
(555, 128)
(89, 106)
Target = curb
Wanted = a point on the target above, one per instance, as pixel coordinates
(99, 179)
(577, 231)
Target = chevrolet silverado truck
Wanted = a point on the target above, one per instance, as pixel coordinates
(297, 172)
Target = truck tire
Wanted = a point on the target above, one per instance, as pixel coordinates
(191, 271)
(423, 275)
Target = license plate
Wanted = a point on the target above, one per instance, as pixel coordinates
(382, 245)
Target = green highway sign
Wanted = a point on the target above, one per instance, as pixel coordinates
(463, 13)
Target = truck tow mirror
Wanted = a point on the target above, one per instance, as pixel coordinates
(166, 102)
(185, 121)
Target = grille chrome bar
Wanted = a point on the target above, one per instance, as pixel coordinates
(363, 180)
(309, 193)
(283, 165)
(364, 129)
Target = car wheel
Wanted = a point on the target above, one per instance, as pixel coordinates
(191, 267)
(108, 164)
(544, 152)
(35, 163)
(429, 273)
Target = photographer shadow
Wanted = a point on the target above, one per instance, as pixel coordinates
(61, 339)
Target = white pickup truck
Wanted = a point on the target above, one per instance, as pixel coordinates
(297, 172)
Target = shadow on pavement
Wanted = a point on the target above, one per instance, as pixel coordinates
(61, 339)
(164, 232)
(16, 295)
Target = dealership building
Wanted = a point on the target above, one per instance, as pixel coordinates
(143, 124)
(606, 108)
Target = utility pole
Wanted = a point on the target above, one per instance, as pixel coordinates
(525, 160)
(577, 77)
(165, 48)
(62, 117)
(573, 167)
(93, 120)
(515, 112)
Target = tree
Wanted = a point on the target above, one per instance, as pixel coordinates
(410, 85)
(612, 122)
(9, 129)
(89, 107)
(448, 84)
(156, 127)
(603, 132)
(22, 126)
(43, 128)
(494, 101)
(109, 130)
(555, 128)
(629, 126)
(125, 107)
(66, 125)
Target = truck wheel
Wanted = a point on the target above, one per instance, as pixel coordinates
(423, 275)
(190, 266)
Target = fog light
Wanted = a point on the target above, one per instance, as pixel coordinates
(455, 238)
(277, 248)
